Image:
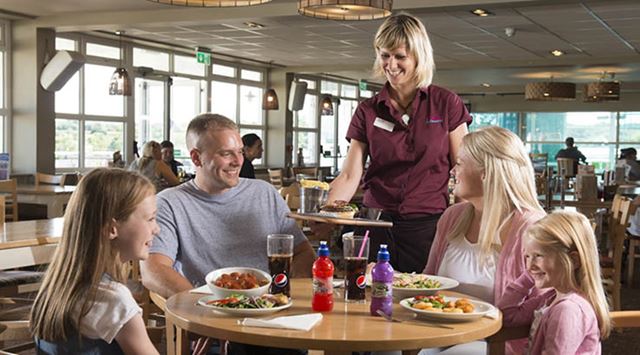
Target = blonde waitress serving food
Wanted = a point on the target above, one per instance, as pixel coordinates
(410, 131)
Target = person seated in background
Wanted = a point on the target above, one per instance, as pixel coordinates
(252, 150)
(628, 161)
(150, 164)
(168, 157)
(218, 220)
(83, 306)
(571, 152)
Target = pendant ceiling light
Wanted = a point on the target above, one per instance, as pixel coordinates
(346, 10)
(270, 98)
(550, 91)
(602, 90)
(120, 83)
(326, 106)
(211, 3)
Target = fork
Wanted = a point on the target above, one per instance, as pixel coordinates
(396, 320)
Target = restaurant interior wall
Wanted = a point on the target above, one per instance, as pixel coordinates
(5, 87)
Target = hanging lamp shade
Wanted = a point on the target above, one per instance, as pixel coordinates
(345, 10)
(326, 106)
(550, 91)
(270, 100)
(211, 3)
(602, 91)
(120, 83)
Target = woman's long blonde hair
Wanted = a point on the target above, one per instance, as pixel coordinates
(85, 252)
(508, 183)
(147, 154)
(561, 233)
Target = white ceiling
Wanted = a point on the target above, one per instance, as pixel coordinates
(469, 50)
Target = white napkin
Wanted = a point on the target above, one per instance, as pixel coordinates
(493, 314)
(202, 289)
(300, 322)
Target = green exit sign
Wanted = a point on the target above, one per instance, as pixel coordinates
(203, 57)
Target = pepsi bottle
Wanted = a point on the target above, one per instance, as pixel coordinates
(381, 285)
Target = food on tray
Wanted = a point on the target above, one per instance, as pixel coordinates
(310, 184)
(415, 281)
(239, 281)
(440, 304)
(339, 208)
(241, 301)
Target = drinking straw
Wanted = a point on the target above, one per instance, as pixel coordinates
(364, 242)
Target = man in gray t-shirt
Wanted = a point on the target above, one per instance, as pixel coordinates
(217, 220)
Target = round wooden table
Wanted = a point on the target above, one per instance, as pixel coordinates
(349, 327)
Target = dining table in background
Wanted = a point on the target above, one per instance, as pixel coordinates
(349, 327)
(29, 243)
(53, 196)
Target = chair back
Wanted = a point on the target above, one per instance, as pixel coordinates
(275, 177)
(9, 188)
(611, 266)
(48, 179)
(309, 171)
(567, 167)
(539, 161)
(291, 195)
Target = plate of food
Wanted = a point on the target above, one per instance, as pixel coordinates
(241, 305)
(238, 280)
(410, 285)
(451, 309)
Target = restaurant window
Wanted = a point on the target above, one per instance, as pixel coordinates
(187, 65)
(101, 50)
(250, 75)
(157, 60)
(224, 99)
(508, 120)
(67, 99)
(630, 128)
(102, 138)
(97, 100)
(250, 105)
(305, 132)
(65, 44)
(188, 99)
(223, 70)
(4, 68)
(150, 106)
(67, 152)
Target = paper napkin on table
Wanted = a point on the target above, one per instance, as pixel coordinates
(300, 322)
(202, 289)
(493, 314)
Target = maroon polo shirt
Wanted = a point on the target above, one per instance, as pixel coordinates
(409, 166)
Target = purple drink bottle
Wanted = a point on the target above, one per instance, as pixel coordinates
(381, 287)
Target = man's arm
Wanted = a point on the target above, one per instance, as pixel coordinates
(303, 258)
(159, 276)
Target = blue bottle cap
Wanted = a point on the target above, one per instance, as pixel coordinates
(323, 250)
(383, 253)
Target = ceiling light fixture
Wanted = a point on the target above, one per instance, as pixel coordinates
(326, 106)
(120, 83)
(482, 12)
(346, 10)
(550, 91)
(557, 52)
(486, 85)
(270, 98)
(211, 3)
(602, 90)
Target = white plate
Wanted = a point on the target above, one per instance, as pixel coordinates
(446, 283)
(241, 311)
(481, 308)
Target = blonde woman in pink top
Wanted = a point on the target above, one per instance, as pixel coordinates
(561, 254)
(478, 242)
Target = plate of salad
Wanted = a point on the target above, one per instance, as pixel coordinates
(411, 285)
(241, 305)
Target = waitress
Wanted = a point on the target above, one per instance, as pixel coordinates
(410, 132)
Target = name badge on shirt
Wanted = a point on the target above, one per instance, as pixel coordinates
(384, 124)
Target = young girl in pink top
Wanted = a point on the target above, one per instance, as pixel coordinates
(560, 253)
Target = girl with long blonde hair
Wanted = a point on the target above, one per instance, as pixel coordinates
(83, 305)
(561, 253)
(478, 241)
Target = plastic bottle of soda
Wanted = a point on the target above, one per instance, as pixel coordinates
(382, 280)
(322, 300)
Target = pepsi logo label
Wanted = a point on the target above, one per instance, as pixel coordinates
(280, 280)
(361, 281)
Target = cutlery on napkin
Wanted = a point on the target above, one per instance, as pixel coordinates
(300, 322)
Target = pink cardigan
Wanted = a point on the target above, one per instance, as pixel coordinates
(510, 266)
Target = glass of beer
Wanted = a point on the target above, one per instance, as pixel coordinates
(280, 253)
(356, 253)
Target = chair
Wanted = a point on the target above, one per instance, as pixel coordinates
(567, 167)
(275, 177)
(495, 343)
(9, 188)
(539, 162)
(634, 242)
(291, 194)
(611, 264)
(309, 171)
(47, 179)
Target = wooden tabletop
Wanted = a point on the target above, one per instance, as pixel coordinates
(349, 327)
(30, 233)
(45, 189)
